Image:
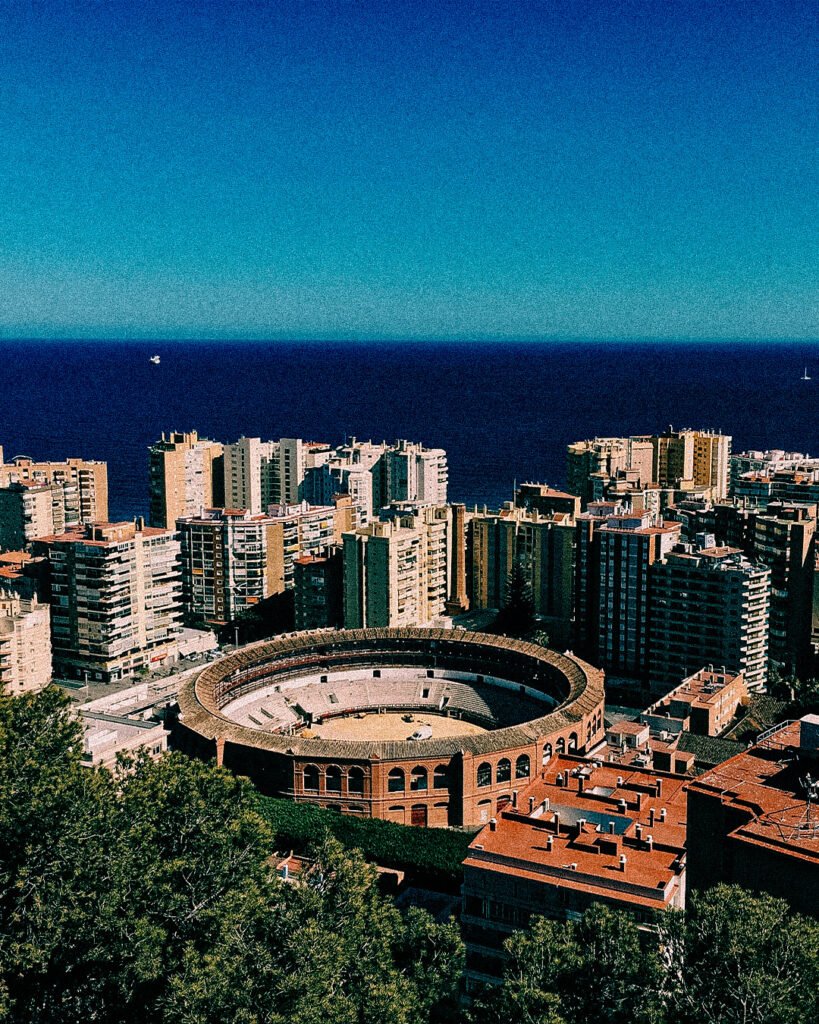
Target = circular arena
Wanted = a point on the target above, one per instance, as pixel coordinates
(419, 726)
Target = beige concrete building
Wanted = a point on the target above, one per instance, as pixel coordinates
(28, 511)
(232, 558)
(186, 476)
(709, 604)
(374, 475)
(615, 549)
(258, 474)
(543, 544)
(683, 460)
(84, 484)
(115, 599)
(385, 580)
(25, 645)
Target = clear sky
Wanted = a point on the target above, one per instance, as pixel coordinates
(409, 169)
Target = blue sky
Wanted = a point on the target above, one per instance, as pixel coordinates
(409, 169)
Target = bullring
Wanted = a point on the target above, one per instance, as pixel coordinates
(419, 726)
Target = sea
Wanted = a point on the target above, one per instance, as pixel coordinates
(503, 411)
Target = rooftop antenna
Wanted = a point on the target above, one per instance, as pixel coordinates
(811, 788)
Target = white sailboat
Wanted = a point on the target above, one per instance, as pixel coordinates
(805, 375)
(155, 360)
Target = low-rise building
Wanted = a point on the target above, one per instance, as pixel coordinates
(25, 645)
(752, 820)
(705, 704)
(580, 833)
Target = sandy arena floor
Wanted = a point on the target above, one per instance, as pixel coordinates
(391, 727)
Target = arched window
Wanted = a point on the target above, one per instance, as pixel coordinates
(547, 753)
(395, 781)
(485, 774)
(504, 770)
(561, 746)
(573, 741)
(311, 778)
(440, 777)
(522, 767)
(332, 779)
(418, 778)
(355, 780)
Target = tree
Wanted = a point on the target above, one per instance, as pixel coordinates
(517, 617)
(735, 957)
(596, 969)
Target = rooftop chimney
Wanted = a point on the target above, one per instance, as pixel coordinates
(531, 804)
(581, 782)
(619, 780)
(650, 842)
(638, 831)
(493, 824)
(514, 798)
(659, 787)
(611, 828)
(623, 861)
(549, 842)
(557, 824)
(651, 816)
(662, 814)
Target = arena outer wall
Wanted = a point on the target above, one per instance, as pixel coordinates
(354, 776)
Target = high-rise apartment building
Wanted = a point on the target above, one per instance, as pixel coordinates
(770, 462)
(543, 545)
(784, 540)
(614, 554)
(318, 590)
(25, 645)
(116, 599)
(759, 489)
(260, 473)
(708, 606)
(385, 576)
(84, 484)
(28, 511)
(232, 559)
(546, 500)
(297, 531)
(374, 475)
(186, 475)
(227, 563)
(683, 460)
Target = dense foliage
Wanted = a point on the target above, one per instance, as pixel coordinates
(147, 895)
(732, 958)
(429, 856)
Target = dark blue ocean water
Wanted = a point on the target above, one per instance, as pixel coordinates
(502, 411)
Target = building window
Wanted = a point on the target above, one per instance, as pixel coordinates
(523, 767)
(395, 781)
(561, 746)
(355, 780)
(485, 774)
(440, 777)
(332, 779)
(573, 741)
(504, 770)
(418, 778)
(311, 778)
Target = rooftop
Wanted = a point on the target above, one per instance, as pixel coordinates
(769, 785)
(604, 829)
